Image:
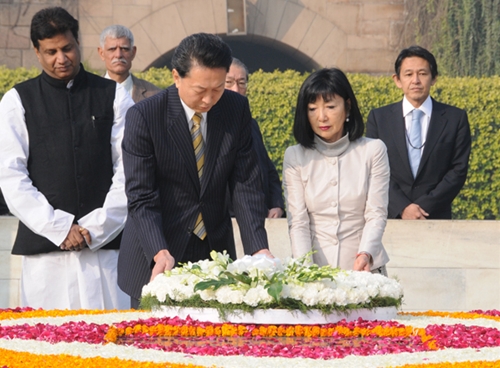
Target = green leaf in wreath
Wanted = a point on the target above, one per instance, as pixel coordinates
(215, 284)
(242, 277)
(274, 290)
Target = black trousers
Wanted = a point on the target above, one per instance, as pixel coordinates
(196, 250)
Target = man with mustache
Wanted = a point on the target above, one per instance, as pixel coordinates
(61, 173)
(117, 50)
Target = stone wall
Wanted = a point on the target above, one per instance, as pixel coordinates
(357, 36)
(443, 265)
(16, 48)
(447, 265)
(10, 266)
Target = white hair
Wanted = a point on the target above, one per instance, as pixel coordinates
(239, 63)
(116, 31)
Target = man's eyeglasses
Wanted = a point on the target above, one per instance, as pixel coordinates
(241, 83)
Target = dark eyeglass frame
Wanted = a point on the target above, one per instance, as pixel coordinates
(241, 83)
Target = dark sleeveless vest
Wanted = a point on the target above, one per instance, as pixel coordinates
(69, 148)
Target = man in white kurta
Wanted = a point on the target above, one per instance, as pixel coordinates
(69, 239)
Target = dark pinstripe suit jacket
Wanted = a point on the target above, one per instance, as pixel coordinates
(164, 192)
(443, 167)
(271, 183)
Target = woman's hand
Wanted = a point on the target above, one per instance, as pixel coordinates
(362, 262)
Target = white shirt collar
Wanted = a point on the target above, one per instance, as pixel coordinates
(426, 107)
(128, 84)
(190, 113)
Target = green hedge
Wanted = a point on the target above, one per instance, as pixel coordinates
(273, 97)
(9, 77)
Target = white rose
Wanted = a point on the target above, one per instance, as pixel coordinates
(372, 290)
(340, 297)
(191, 280)
(296, 291)
(391, 289)
(286, 292)
(182, 292)
(241, 265)
(326, 297)
(252, 297)
(215, 271)
(264, 296)
(256, 295)
(207, 294)
(310, 296)
(357, 295)
(226, 295)
(205, 265)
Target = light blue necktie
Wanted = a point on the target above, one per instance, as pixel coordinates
(415, 141)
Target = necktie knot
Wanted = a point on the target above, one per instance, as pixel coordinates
(197, 118)
(416, 115)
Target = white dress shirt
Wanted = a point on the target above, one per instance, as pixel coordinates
(128, 83)
(426, 108)
(189, 117)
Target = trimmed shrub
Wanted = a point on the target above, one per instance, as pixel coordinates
(273, 97)
(10, 77)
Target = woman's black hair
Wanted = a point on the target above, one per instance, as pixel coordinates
(326, 83)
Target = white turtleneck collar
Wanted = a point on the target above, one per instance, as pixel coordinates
(334, 149)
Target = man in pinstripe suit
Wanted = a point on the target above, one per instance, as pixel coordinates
(165, 193)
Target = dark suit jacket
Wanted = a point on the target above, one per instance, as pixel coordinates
(443, 167)
(271, 183)
(164, 192)
(143, 89)
(4, 210)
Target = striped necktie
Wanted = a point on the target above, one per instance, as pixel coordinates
(199, 152)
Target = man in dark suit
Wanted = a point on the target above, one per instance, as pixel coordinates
(428, 142)
(237, 80)
(4, 210)
(117, 50)
(176, 199)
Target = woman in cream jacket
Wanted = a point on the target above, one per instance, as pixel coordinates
(336, 182)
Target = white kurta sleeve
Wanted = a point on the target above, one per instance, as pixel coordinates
(297, 215)
(24, 200)
(105, 223)
(377, 200)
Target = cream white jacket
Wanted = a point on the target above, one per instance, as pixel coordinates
(336, 196)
